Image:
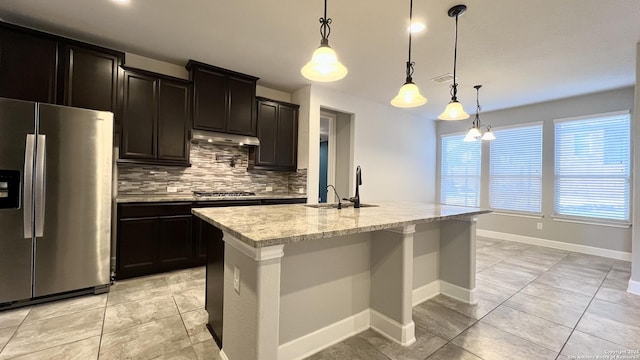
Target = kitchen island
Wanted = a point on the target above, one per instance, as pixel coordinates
(299, 278)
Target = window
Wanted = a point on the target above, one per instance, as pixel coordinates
(515, 180)
(592, 166)
(460, 171)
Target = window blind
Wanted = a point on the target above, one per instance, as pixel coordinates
(460, 171)
(592, 166)
(515, 171)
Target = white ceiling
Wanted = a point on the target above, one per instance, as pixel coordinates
(522, 52)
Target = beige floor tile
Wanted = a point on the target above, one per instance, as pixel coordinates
(10, 318)
(452, 352)
(187, 353)
(145, 341)
(489, 342)
(491, 292)
(475, 311)
(529, 327)
(610, 330)
(556, 295)
(508, 276)
(354, 348)
(425, 345)
(579, 272)
(559, 281)
(125, 315)
(5, 335)
(629, 315)
(65, 307)
(196, 324)
(588, 261)
(585, 345)
(188, 300)
(440, 320)
(86, 349)
(133, 290)
(207, 350)
(53, 332)
(618, 296)
(546, 309)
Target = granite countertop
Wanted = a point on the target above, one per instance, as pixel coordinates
(261, 226)
(190, 197)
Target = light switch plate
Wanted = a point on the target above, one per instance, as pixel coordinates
(172, 189)
(301, 190)
(269, 188)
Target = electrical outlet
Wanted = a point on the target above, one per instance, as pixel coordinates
(269, 188)
(236, 279)
(539, 226)
(301, 190)
(172, 189)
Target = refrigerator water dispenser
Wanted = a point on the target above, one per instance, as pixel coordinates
(9, 189)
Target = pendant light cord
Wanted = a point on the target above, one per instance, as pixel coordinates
(409, 63)
(325, 29)
(454, 87)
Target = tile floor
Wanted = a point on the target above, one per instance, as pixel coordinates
(535, 303)
(154, 317)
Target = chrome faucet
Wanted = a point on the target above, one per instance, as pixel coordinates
(337, 196)
(356, 199)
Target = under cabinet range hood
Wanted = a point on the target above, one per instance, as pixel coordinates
(225, 139)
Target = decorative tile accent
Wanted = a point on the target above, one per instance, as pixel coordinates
(210, 170)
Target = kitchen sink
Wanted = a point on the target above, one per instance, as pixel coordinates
(335, 205)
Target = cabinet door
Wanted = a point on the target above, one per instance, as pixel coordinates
(242, 99)
(173, 121)
(210, 100)
(91, 79)
(267, 133)
(28, 67)
(140, 112)
(287, 137)
(136, 241)
(174, 242)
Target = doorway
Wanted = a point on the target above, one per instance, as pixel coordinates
(336, 155)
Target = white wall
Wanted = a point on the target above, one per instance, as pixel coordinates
(395, 148)
(634, 285)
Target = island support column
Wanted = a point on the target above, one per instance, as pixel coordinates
(392, 284)
(458, 259)
(255, 308)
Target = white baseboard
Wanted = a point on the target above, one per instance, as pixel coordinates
(425, 292)
(393, 330)
(223, 356)
(634, 287)
(458, 293)
(309, 344)
(591, 250)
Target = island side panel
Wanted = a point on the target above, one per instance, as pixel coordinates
(458, 259)
(426, 252)
(251, 316)
(392, 284)
(324, 293)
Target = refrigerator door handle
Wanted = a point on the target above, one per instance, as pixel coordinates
(41, 149)
(27, 189)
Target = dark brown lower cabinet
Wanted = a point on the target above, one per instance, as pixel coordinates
(174, 242)
(214, 297)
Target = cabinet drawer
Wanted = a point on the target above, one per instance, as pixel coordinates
(153, 209)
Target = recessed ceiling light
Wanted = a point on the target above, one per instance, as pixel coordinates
(122, 2)
(417, 27)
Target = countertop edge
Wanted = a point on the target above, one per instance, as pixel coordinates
(328, 234)
(127, 199)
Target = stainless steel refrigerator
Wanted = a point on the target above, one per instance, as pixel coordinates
(55, 199)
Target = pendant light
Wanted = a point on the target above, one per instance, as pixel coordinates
(409, 94)
(454, 110)
(476, 128)
(324, 65)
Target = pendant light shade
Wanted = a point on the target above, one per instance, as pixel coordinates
(409, 94)
(488, 136)
(472, 135)
(324, 65)
(454, 110)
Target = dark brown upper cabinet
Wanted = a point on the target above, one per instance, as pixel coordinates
(28, 65)
(156, 119)
(91, 77)
(223, 100)
(278, 134)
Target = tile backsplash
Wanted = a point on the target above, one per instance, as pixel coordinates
(211, 170)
